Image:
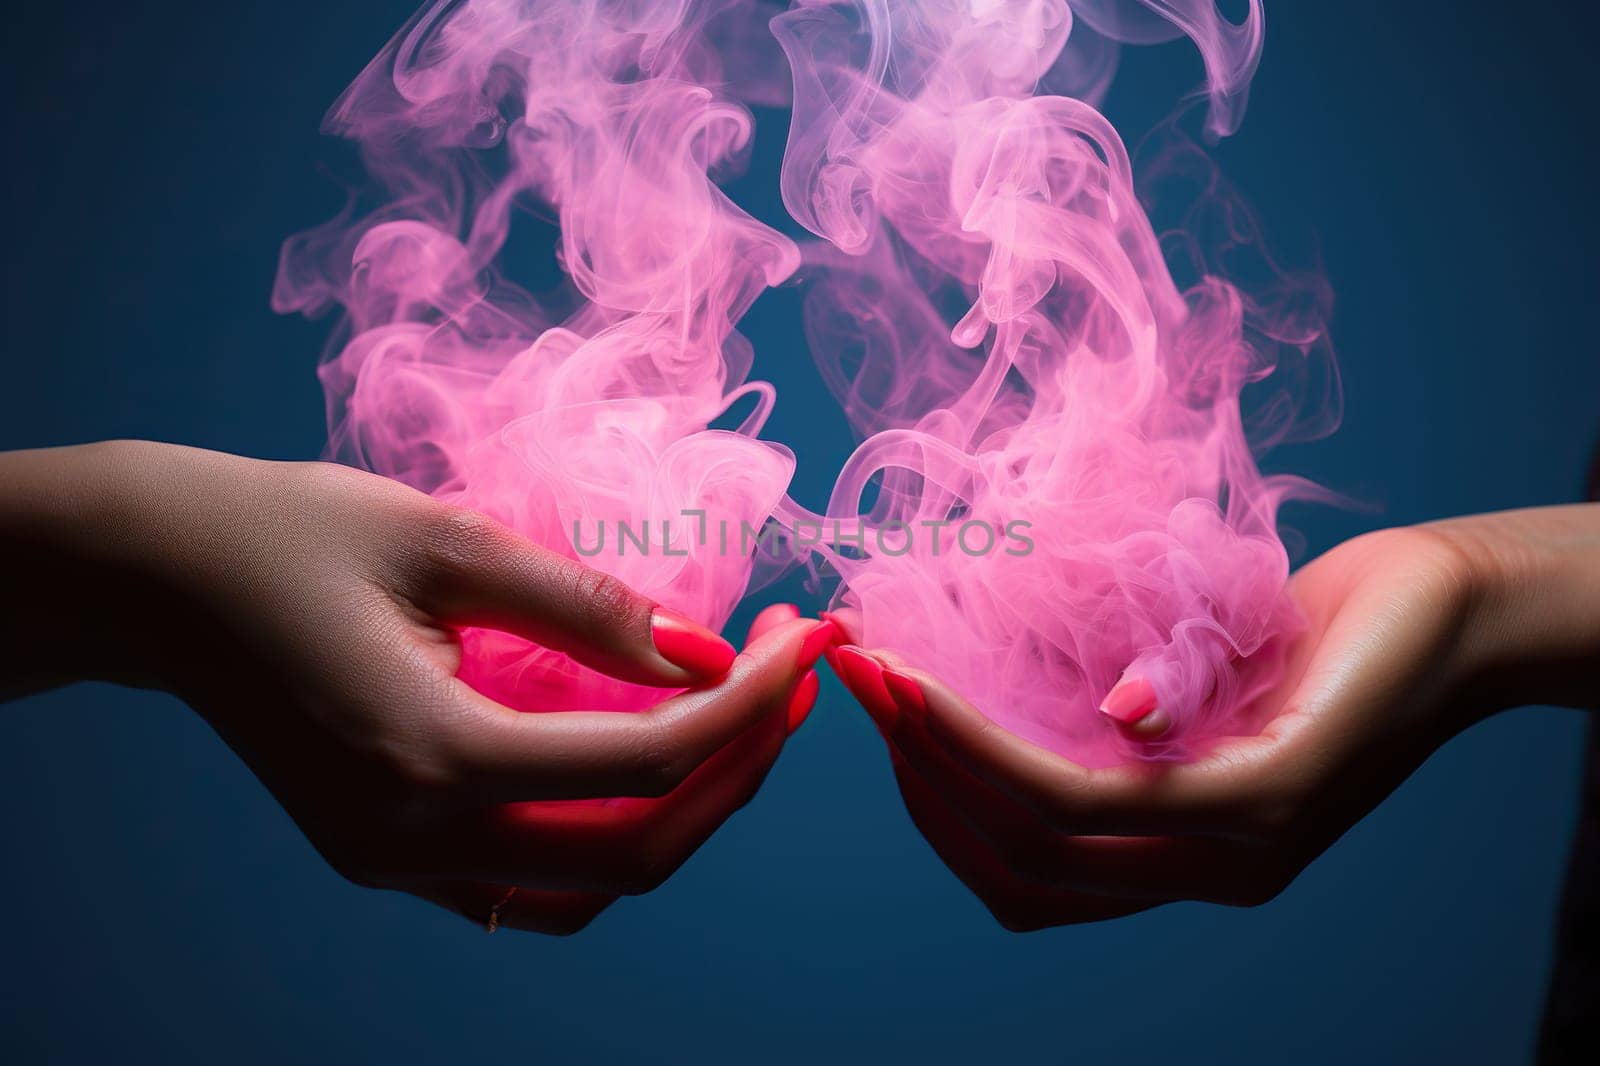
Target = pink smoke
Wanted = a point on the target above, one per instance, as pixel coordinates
(988, 300)
(1078, 392)
(590, 405)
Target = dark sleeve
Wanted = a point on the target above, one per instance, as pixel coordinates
(1571, 1030)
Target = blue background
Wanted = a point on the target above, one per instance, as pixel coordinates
(156, 904)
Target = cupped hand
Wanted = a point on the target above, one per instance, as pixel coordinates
(311, 614)
(552, 867)
(1413, 635)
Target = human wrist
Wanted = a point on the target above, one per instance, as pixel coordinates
(1531, 633)
(86, 600)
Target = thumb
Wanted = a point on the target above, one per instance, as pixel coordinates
(476, 572)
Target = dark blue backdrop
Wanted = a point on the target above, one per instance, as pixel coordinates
(157, 904)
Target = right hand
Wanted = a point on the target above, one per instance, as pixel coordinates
(1413, 635)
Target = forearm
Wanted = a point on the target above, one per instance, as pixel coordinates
(81, 598)
(1533, 634)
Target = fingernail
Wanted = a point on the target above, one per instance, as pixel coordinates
(907, 694)
(863, 675)
(819, 640)
(1129, 700)
(771, 618)
(688, 645)
(838, 622)
(803, 699)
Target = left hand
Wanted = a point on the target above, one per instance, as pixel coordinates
(628, 845)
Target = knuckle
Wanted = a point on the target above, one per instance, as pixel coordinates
(660, 777)
(663, 763)
(457, 540)
(606, 599)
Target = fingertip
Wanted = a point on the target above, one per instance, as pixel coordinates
(807, 638)
(1129, 700)
(770, 618)
(848, 621)
(907, 693)
(864, 677)
(1133, 705)
(690, 646)
(803, 699)
(933, 697)
(778, 661)
(818, 642)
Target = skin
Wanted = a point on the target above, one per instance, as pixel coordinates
(1415, 634)
(310, 613)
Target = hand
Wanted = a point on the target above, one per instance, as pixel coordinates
(310, 613)
(1414, 635)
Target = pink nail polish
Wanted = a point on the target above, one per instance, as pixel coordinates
(1129, 700)
(906, 692)
(819, 640)
(839, 622)
(863, 675)
(688, 645)
(803, 699)
(771, 618)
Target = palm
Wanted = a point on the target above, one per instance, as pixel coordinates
(1044, 842)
